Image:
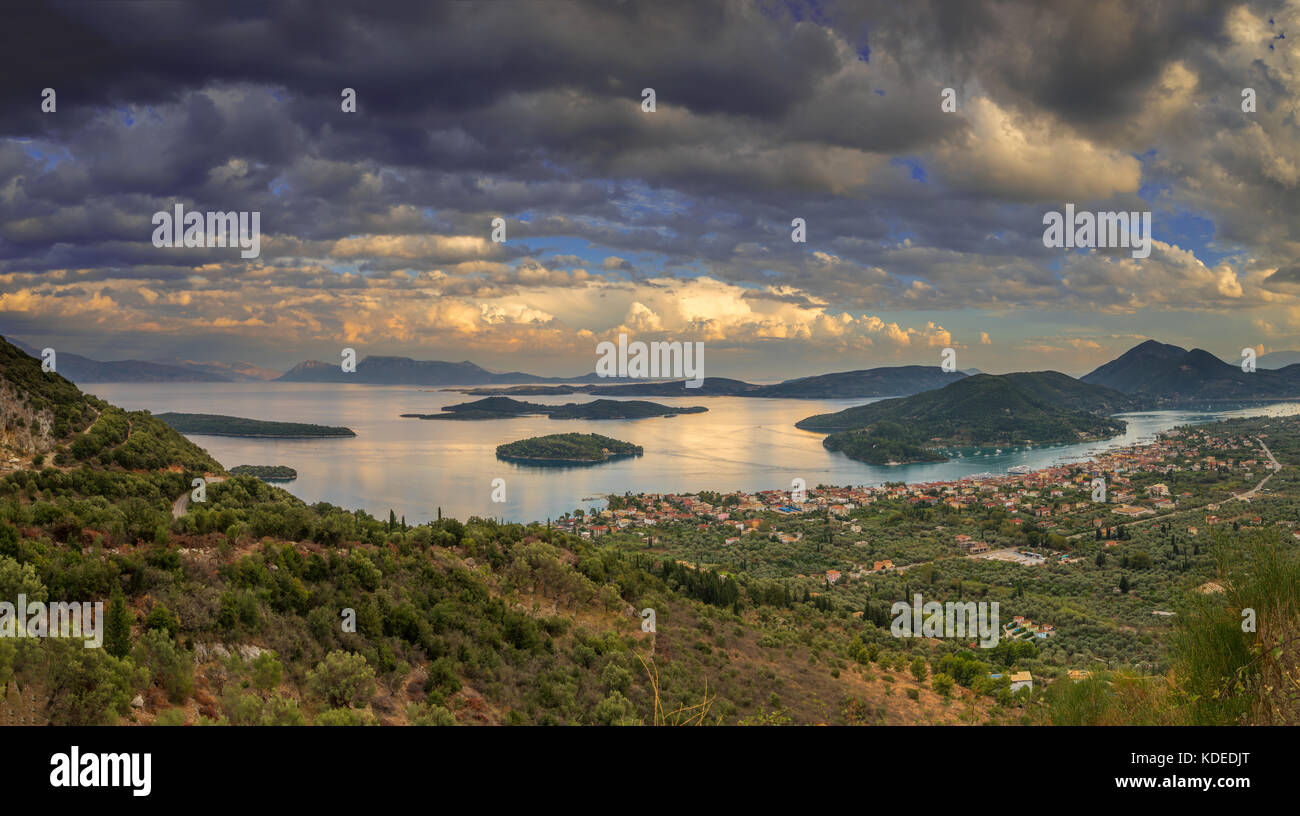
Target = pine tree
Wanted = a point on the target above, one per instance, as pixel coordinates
(117, 627)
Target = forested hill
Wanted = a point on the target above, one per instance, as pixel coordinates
(1064, 391)
(983, 409)
(56, 406)
(46, 420)
(1164, 375)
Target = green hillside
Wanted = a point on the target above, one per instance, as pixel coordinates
(47, 391)
(86, 433)
(233, 612)
(1064, 391)
(883, 443)
(984, 409)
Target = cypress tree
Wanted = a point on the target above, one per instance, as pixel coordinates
(117, 627)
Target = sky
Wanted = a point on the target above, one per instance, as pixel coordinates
(924, 226)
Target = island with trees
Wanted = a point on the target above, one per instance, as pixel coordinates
(508, 408)
(620, 409)
(267, 473)
(219, 425)
(567, 449)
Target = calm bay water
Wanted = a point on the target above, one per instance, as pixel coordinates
(415, 466)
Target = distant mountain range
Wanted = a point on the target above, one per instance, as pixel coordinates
(890, 381)
(1151, 375)
(77, 368)
(1272, 360)
(237, 371)
(384, 370)
(1162, 375)
(875, 382)
(404, 371)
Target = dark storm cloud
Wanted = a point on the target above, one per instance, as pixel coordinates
(1284, 279)
(408, 57)
(1087, 60)
(531, 111)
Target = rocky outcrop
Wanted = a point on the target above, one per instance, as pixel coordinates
(24, 431)
(217, 651)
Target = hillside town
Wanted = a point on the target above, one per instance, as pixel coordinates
(1138, 482)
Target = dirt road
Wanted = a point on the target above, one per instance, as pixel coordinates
(1274, 467)
(182, 505)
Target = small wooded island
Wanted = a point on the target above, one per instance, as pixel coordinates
(506, 408)
(567, 449)
(219, 425)
(267, 473)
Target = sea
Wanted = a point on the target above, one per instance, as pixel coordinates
(416, 467)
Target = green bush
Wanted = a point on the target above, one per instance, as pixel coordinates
(342, 679)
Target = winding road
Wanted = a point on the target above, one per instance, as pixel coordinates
(182, 505)
(1274, 467)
